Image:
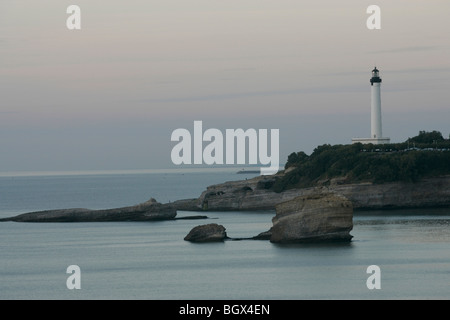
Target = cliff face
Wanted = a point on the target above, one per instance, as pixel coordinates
(431, 192)
(255, 194)
(319, 217)
(251, 194)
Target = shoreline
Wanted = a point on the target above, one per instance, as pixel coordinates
(254, 194)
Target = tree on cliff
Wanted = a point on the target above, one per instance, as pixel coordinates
(295, 158)
(428, 137)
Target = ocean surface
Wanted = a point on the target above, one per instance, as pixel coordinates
(150, 260)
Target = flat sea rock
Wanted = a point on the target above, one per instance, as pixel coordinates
(150, 210)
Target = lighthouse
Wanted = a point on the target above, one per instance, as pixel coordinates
(376, 135)
(375, 105)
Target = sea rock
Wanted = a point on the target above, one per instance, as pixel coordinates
(212, 232)
(317, 217)
(150, 210)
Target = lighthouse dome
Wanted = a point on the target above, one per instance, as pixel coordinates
(375, 76)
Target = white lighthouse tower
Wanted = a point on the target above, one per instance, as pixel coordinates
(375, 105)
(376, 135)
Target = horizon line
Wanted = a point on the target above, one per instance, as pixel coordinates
(40, 173)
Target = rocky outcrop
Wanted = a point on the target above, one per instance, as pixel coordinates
(207, 233)
(255, 194)
(313, 218)
(147, 211)
(251, 194)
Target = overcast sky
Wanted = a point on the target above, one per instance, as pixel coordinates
(108, 96)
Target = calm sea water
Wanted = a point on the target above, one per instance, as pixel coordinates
(150, 260)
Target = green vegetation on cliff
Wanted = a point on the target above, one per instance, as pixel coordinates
(425, 155)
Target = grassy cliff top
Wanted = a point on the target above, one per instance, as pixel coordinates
(425, 155)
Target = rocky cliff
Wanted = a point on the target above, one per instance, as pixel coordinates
(255, 194)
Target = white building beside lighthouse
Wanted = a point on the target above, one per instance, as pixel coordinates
(376, 135)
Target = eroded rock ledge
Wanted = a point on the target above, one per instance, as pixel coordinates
(255, 194)
(150, 210)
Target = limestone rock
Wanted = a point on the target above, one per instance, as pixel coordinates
(212, 232)
(317, 217)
